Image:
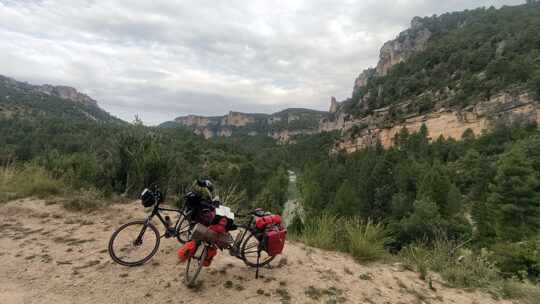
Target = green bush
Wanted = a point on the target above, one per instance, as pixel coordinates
(518, 259)
(296, 226)
(366, 241)
(470, 270)
(324, 231)
(18, 181)
(416, 256)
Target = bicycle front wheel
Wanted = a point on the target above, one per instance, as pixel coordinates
(134, 243)
(194, 265)
(249, 252)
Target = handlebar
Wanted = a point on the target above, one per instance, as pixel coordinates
(158, 194)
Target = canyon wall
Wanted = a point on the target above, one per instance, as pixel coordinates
(280, 126)
(410, 41)
(501, 109)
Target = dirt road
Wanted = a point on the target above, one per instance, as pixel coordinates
(50, 255)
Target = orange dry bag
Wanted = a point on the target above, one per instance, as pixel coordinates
(187, 251)
(212, 251)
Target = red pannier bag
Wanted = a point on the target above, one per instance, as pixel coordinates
(275, 241)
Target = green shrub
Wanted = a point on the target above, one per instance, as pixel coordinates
(18, 181)
(323, 231)
(518, 259)
(416, 256)
(366, 241)
(296, 226)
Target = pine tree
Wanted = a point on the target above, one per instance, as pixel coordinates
(514, 199)
(425, 221)
(435, 185)
(346, 202)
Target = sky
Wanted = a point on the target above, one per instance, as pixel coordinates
(164, 59)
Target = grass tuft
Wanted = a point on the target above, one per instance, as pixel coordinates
(366, 241)
(322, 231)
(17, 181)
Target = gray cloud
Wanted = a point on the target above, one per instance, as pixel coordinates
(162, 59)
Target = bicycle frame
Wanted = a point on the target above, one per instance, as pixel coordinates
(235, 249)
(155, 212)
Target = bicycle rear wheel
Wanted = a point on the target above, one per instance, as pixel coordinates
(249, 252)
(194, 265)
(134, 243)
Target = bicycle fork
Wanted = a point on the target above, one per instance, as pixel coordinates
(138, 241)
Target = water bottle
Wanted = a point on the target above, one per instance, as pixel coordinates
(168, 221)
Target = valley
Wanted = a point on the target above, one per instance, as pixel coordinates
(423, 186)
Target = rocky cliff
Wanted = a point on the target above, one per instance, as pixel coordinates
(63, 92)
(66, 93)
(501, 109)
(408, 42)
(194, 120)
(280, 126)
(26, 101)
(217, 125)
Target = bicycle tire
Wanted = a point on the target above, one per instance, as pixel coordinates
(189, 279)
(183, 230)
(250, 256)
(116, 254)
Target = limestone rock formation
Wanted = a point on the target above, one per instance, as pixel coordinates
(66, 93)
(280, 126)
(193, 120)
(236, 119)
(273, 119)
(501, 109)
(408, 42)
(334, 105)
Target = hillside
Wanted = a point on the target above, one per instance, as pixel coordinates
(471, 69)
(280, 126)
(64, 132)
(53, 255)
(23, 100)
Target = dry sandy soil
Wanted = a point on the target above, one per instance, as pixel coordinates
(50, 255)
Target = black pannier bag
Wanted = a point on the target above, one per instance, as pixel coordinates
(147, 198)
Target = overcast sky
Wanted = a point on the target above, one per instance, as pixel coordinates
(163, 59)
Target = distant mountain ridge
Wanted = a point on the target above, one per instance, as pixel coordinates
(22, 100)
(281, 126)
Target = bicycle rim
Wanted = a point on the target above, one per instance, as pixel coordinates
(249, 252)
(194, 265)
(183, 230)
(125, 248)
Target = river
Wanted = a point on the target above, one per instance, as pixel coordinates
(293, 205)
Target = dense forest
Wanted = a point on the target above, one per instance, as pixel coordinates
(471, 56)
(87, 148)
(483, 189)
